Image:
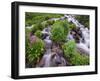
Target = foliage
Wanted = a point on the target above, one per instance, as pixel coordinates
(69, 49)
(72, 26)
(83, 19)
(65, 24)
(59, 31)
(27, 46)
(38, 33)
(34, 18)
(36, 27)
(50, 22)
(39, 26)
(79, 59)
(44, 24)
(35, 50)
(74, 57)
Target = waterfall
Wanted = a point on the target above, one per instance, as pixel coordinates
(84, 44)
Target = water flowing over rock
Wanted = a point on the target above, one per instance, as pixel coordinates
(46, 30)
(82, 48)
(51, 58)
(53, 55)
(84, 41)
(48, 43)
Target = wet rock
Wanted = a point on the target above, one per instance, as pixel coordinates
(70, 37)
(33, 39)
(44, 36)
(76, 34)
(57, 60)
(52, 58)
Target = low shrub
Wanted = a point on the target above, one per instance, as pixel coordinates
(50, 22)
(34, 18)
(69, 49)
(36, 27)
(38, 33)
(44, 24)
(59, 31)
(79, 59)
(34, 51)
(73, 56)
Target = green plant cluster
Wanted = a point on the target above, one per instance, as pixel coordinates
(34, 18)
(59, 31)
(36, 27)
(38, 34)
(79, 59)
(69, 48)
(35, 50)
(44, 24)
(41, 26)
(73, 56)
(50, 22)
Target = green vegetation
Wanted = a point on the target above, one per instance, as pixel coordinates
(59, 31)
(83, 19)
(72, 26)
(50, 22)
(58, 35)
(69, 49)
(34, 51)
(44, 24)
(36, 27)
(73, 56)
(79, 59)
(38, 33)
(34, 18)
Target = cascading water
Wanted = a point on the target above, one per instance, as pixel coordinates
(46, 59)
(84, 42)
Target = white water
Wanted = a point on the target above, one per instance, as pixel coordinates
(47, 58)
(47, 30)
(85, 34)
(83, 46)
